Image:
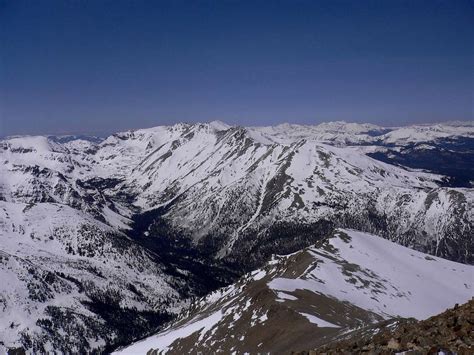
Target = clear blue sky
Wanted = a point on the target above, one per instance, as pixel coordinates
(103, 66)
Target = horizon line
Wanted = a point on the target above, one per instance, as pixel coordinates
(102, 134)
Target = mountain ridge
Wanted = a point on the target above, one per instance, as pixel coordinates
(203, 204)
(348, 281)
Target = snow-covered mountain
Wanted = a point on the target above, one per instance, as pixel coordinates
(196, 205)
(343, 133)
(306, 299)
(69, 282)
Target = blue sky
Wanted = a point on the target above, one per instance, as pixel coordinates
(80, 66)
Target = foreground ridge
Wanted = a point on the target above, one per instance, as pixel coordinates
(349, 281)
(450, 332)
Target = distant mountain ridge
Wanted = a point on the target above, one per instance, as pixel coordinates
(201, 204)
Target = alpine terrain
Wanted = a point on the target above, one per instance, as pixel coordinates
(348, 281)
(105, 241)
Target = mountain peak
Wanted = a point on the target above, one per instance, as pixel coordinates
(219, 125)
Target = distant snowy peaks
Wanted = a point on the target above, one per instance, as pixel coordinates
(74, 137)
(348, 127)
(30, 143)
(219, 125)
(338, 133)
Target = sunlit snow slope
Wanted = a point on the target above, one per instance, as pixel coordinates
(300, 301)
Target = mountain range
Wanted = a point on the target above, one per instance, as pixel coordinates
(105, 240)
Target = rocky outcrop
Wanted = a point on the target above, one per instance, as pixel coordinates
(451, 332)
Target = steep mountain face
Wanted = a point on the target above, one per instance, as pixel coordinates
(213, 185)
(351, 280)
(197, 205)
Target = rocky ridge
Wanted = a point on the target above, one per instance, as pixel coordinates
(345, 283)
(451, 332)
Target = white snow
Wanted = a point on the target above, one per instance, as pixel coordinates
(164, 339)
(263, 318)
(258, 274)
(223, 174)
(390, 280)
(282, 296)
(320, 322)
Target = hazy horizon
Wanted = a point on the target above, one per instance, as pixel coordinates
(108, 66)
(112, 131)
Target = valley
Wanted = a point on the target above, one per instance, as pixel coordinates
(103, 241)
